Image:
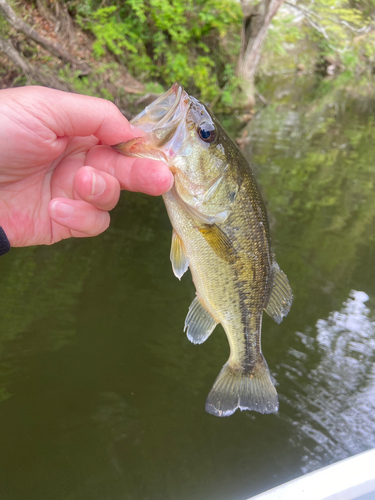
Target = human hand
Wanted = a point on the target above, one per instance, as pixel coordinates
(58, 174)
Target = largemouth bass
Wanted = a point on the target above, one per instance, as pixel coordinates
(220, 231)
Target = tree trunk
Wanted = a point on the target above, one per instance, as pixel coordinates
(257, 19)
(53, 48)
(27, 69)
(57, 14)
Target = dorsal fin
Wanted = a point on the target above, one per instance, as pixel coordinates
(281, 297)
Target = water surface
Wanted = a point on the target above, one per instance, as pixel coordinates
(101, 394)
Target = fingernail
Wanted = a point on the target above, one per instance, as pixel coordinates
(61, 209)
(172, 182)
(98, 185)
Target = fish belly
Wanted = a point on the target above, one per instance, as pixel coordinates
(214, 279)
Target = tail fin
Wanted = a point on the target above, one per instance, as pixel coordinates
(247, 391)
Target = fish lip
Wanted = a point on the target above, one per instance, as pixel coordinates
(175, 104)
(177, 89)
(141, 119)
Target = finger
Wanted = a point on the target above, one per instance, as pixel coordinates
(134, 174)
(80, 217)
(97, 188)
(68, 114)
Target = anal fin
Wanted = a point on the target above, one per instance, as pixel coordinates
(199, 323)
(281, 297)
(180, 262)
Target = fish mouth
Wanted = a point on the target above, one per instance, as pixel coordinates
(165, 109)
(163, 122)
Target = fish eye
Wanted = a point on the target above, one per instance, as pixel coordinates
(207, 132)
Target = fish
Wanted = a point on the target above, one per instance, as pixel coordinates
(220, 232)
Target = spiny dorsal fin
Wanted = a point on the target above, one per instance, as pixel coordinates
(199, 322)
(180, 262)
(281, 297)
(219, 242)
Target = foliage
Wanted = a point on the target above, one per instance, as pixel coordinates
(194, 42)
(197, 42)
(311, 33)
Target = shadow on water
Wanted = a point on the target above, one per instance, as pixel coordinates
(102, 396)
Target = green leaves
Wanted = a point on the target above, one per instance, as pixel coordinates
(112, 34)
(310, 32)
(190, 41)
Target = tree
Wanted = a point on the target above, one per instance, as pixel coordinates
(55, 49)
(256, 21)
(28, 69)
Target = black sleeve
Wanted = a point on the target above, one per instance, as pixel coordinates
(4, 242)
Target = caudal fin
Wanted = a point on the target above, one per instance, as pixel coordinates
(247, 391)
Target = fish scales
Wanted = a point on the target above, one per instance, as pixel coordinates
(221, 232)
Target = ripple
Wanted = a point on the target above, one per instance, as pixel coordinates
(334, 397)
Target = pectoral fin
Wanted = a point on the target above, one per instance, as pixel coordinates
(196, 214)
(199, 322)
(281, 296)
(180, 262)
(219, 242)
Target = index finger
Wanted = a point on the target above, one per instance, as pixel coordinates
(67, 114)
(134, 174)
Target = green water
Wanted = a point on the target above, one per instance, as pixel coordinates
(101, 394)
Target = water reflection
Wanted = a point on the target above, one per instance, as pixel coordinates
(334, 401)
(316, 167)
(38, 298)
(119, 427)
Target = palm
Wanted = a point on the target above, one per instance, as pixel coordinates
(27, 198)
(55, 156)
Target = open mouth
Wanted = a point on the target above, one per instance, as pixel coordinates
(164, 125)
(166, 109)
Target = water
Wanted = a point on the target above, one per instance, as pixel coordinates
(101, 394)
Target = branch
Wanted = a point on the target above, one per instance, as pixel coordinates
(27, 69)
(317, 27)
(364, 29)
(307, 12)
(27, 30)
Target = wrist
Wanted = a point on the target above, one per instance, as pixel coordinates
(4, 242)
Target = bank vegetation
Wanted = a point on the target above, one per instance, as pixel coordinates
(220, 50)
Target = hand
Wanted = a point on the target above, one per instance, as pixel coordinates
(58, 174)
